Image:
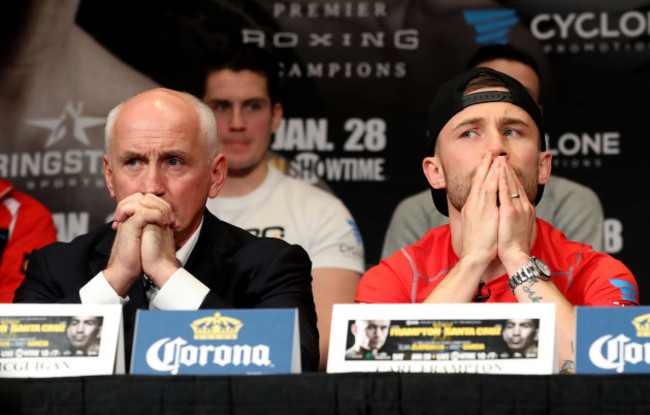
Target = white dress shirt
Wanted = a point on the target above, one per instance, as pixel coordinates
(182, 291)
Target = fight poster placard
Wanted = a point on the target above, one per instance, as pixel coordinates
(55, 340)
(613, 340)
(216, 342)
(443, 338)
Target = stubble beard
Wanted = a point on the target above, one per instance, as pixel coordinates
(458, 188)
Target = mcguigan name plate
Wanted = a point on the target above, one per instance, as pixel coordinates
(211, 342)
(53, 340)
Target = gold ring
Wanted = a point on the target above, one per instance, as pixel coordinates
(514, 195)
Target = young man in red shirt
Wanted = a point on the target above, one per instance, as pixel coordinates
(487, 164)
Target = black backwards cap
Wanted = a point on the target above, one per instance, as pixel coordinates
(449, 100)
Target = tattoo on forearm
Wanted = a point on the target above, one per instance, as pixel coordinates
(532, 295)
(567, 367)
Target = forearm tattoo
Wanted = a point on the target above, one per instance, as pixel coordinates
(568, 366)
(532, 295)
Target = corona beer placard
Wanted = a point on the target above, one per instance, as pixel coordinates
(613, 340)
(208, 342)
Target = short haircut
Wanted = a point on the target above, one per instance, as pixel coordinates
(207, 123)
(100, 320)
(535, 322)
(505, 51)
(483, 81)
(245, 57)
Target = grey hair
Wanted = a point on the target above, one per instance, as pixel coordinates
(207, 123)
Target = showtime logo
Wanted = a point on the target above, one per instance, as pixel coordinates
(310, 168)
(309, 136)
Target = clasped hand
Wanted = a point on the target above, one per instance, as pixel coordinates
(497, 218)
(144, 242)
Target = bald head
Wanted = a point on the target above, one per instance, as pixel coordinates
(163, 143)
(139, 109)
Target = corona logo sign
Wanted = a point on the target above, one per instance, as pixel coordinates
(642, 325)
(216, 327)
(202, 342)
(616, 351)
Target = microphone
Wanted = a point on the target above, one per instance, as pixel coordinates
(479, 297)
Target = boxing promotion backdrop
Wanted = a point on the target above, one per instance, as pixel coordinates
(358, 77)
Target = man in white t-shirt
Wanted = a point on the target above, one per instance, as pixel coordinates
(242, 90)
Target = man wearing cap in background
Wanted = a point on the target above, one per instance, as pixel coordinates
(487, 164)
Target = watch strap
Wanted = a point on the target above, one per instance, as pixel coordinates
(525, 273)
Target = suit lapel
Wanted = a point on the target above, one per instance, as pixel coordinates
(102, 252)
(207, 260)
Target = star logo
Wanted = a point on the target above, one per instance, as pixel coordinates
(69, 120)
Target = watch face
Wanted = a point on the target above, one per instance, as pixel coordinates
(542, 268)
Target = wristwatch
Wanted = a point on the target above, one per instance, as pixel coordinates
(534, 268)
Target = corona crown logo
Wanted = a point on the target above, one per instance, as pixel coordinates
(216, 328)
(642, 324)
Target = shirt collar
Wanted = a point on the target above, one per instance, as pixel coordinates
(184, 252)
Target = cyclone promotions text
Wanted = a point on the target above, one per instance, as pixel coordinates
(618, 351)
(592, 31)
(584, 149)
(178, 352)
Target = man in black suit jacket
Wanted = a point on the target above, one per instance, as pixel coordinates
(163, 249)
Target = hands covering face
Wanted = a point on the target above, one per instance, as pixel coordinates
(497, 218)
(144, 243)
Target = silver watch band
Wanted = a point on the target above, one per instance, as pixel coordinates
(524, 274)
